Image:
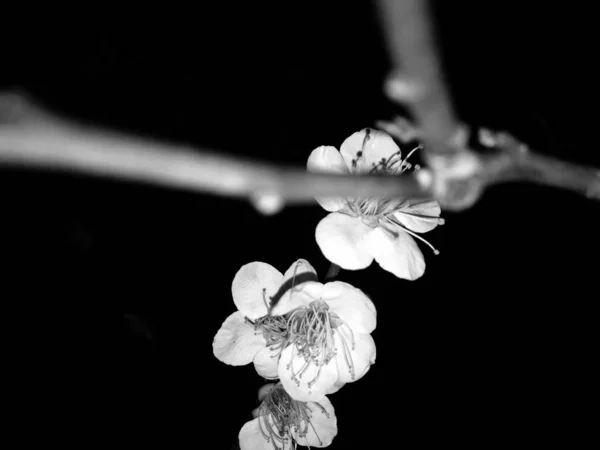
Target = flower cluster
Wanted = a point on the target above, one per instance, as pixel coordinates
(315, 337)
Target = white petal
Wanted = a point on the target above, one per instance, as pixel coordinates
(336, 387)
(290, 363)
(342, 239)
(323, 425)
(297, 297)
(251, 438)
(419, 216)
(265, 363)
(236, 343)
(362, 356)
(300, 268)
(351, 305)
(248, 285)
(327, 159)
(397, 254)
(367, 147)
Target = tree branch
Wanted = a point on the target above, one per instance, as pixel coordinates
(32, 137)
(510, 160)
(459, 174)
(416, 76)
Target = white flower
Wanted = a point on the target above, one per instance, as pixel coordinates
(281, 422)
(251, 334)
(360, 230)
(329, 338)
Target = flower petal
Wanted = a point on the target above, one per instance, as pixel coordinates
(292, 363)
(297, 297)
(236, 343)
(323, 425)
(397, 253)
(251, 437)
(351, 305)
(362, 356)
(366, 148)
(265, 363)
(327, 159)
(336, 387)
(342, 239)
(419, 216)
(248, 285)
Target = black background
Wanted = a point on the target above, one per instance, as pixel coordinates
(494, 345)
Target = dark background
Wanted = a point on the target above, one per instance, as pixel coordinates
(494, 345)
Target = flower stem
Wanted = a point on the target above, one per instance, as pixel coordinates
(333, 272)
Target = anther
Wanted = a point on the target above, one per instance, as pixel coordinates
(397, 224)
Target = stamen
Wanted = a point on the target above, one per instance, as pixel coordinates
(366, 138)
(424, 218)
(385, 165)
(394, 160)
(371, 207)
(316, 434)
(311, 334)
(279, 415)
(294, 276)
(397, 224)
(412, 151)
(274, 330)
(347, 354)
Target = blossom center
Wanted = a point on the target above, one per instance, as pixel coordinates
(371, 209)
(375, 212)
(273, 328)
(311, 332)
(280, 415)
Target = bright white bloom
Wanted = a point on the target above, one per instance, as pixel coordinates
(359, 230)
(329, 340)
(281, 422)
(251, 334)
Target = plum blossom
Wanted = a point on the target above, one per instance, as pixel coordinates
(280, 422)
(252, 334)
(360, 230)
(328, 341)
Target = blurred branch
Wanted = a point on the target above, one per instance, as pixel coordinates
(509, 160)
(459, 175)
(32, 137)
(416, 77)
